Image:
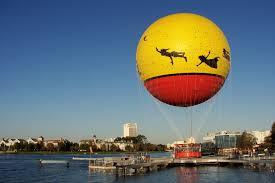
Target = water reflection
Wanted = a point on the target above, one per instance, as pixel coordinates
(187, 174)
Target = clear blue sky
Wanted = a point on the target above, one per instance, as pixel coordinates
(67, 69)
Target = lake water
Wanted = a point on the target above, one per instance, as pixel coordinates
(25, 168)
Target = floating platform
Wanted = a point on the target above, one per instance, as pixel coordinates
(82, 159)
(42, 162)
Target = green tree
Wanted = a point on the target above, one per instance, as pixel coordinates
(3, 147)
(84, 147)
(246, 141)
(269, 141)
(39, 146)
(118, 139)
(20, 146)
(137, 147)
(273, 137)
(129, 148)
(114, 148)
(94, 148)
(50, 147)
(31, 147)
(74, 147)
(65, 145)
(161, 147)
(151, 147)
(209, 148)
(61, 146)
(17, 146)
(140, 139)
(103, 148)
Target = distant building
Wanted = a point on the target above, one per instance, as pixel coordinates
(186, 141)
(85, 142)
(222, 139)
(110, 140)
(130, 130)
(32, 141)
(10, 142)
(54, 142)
(226, 139)
(3, 141)
(260, 135)
(210, 137)
(122, 145)
(13, 141)
(35, 141)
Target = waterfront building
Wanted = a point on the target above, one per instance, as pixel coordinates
(122, 145)
(226, 139)
(10, 142)
(110, 140)
(84, 142)
(130, 130)
(260, 135)
(186, 141)
(222, 139)
(3, 142)
(209, 138)
(54, 142)
(32, 141)
(13, 141)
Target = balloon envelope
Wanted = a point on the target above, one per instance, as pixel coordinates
(183, 59)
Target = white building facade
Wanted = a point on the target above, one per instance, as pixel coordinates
(130, 130)
(10, 142)
(209, 138)
(260, 135)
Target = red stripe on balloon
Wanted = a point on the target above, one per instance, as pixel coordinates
(184, 90)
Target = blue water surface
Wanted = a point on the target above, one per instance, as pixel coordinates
(25, 168)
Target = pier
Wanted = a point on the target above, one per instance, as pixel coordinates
(128, 165)
(141, 164)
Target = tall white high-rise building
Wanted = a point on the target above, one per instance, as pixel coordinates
(130, 130)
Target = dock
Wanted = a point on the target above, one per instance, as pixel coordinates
(128, 165)
(43, 162)
(82, 159)
(141, 164)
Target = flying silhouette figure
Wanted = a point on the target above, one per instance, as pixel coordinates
(210, 62)
(226, 54)
(164, 52)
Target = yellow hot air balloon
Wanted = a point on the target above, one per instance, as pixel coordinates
(183, 59)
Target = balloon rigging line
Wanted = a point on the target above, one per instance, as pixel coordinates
(167, 118)
(205, 115)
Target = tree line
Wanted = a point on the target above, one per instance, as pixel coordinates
(139, 143)
(23, 146)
